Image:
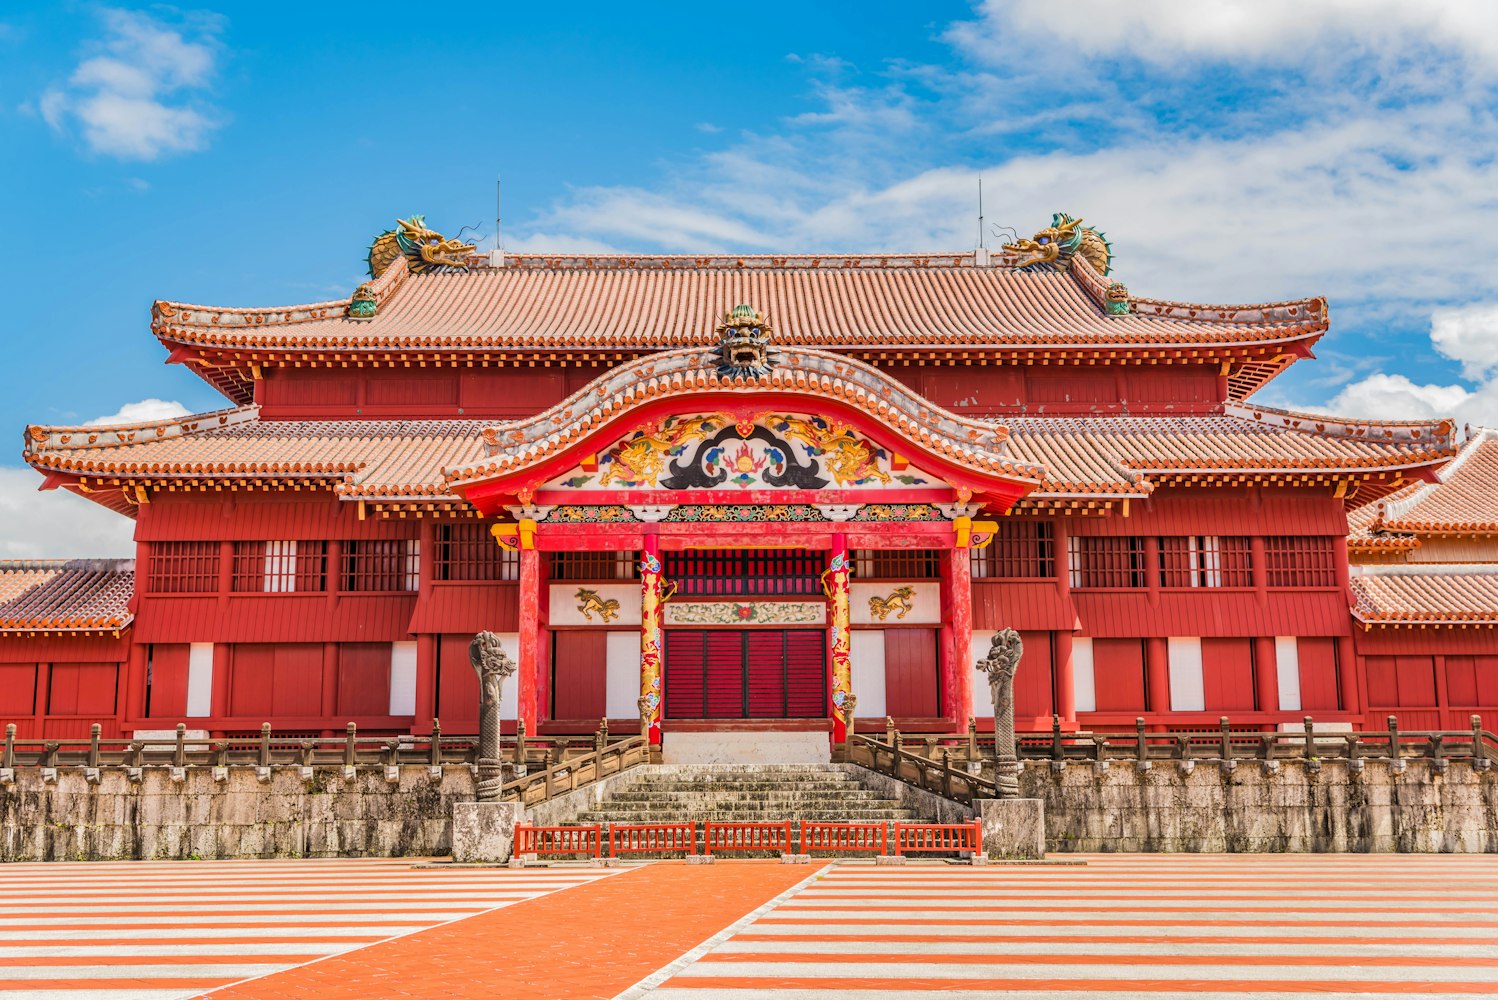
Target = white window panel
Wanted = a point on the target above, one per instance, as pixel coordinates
(866, 647)
(403, 678)
(1287, 669)
(200, 680)
(1084, 684)
(1186, 691)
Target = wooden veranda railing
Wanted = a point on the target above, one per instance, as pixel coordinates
(547, 763)
(941, 763)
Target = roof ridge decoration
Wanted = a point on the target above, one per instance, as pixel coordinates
(516, 445)
(744, 344)
(1433, 433)
(42, 438)
(424, 250)
(1057, 244)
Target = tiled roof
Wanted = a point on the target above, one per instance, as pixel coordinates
(1463, 500)
(79, 595)
(634, 303)
(1102, 454)
(394, 459)
(1416, 595)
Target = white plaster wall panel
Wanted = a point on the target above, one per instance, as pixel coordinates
(509, 691)
(868, 671)
(200, 680)
(1287, 670)
(1187, 693)
(567, 608)
(403, 678)
(785, 747)
(982, 699)
(924, 603)
(622, 675)
(1084, 685)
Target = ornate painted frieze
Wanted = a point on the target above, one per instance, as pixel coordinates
(746, 613)
(899, 512)
(590, 514)
(714, 451)
(692, 513)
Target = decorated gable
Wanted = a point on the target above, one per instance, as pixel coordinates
(794, 451)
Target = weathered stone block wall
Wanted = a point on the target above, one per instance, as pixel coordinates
(1293, 807)
(326, 815)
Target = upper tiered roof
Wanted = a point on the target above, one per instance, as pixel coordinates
(936, 305)
(1463, 500)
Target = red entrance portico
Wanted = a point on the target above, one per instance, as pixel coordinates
(746, 488)
(796, 451)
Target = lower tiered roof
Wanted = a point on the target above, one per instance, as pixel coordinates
(56, 595)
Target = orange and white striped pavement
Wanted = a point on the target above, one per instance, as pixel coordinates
(1126, 927)
(143, 930)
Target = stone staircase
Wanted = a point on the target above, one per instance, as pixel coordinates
(746, 793)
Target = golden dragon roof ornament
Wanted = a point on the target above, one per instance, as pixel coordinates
(1062, 240)
(424, 249)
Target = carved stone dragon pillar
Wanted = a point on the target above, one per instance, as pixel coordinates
(1002, 660)
(493, 665)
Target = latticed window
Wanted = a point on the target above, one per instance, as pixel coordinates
(1107, 562)
(746, 572)
(1020, 550)
(381, 564)
(1205, 561)
(280, 567)
(897, 564)
(594, 566)
(184, 568)
(466, 551)
(1300, 562)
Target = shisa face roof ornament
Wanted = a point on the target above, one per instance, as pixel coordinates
(744, 344)
(425, 250)
(1062, 240)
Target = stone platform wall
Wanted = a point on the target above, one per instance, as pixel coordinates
(1294, 807)
(325, 815)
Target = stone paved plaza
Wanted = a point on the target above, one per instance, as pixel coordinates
(1118, 926)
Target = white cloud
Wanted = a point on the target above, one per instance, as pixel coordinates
(138, 97)
(1278, 31)
(57, 524)
(1470, 335)
(143, 411)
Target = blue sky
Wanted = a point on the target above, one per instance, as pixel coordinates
(244, 154)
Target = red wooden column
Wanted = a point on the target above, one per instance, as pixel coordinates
(426, 682)
(1065, 673)
(652, 617)
(957, 684)
(1348, 670)
(530, 633)
(839, 637)
(1266, 674)
(1157, 673)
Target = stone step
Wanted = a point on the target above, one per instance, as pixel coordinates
(718, 794)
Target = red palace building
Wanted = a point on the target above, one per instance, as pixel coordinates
(738, 489)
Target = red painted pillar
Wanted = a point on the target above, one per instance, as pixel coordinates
(1266, 675)
(219, 689)
(1066, 678)
(959, 618)
(839, 638)
(652, 618)
(1157, 674)
(1348, 669)
(330, 704)
(426, 683)
(134, 707)
(1065, 671)
(530, 638)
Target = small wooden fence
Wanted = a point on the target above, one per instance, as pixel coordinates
(839, 839)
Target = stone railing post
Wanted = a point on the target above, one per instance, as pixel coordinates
(350, 748)
(1003, 658)
(93, 745)
(493, 665)
(850, 703)
(601, 738)
(8, 755)
(264, 757)
(1479, 748)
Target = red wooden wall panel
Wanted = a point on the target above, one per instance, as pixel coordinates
(686, 674)
(1318, 674)
(83, 689)
(1032, 679)
(167, 696)
(910, 673)
(1417, 680)
(1228, 674)
(17, 689)
(364, 678)
(468, 607)
(1036, 605)
(806, 673)
(457, 684)
(579, 674)
(267, 680)
(764, 674)
(1118, 674)
(723, 664)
